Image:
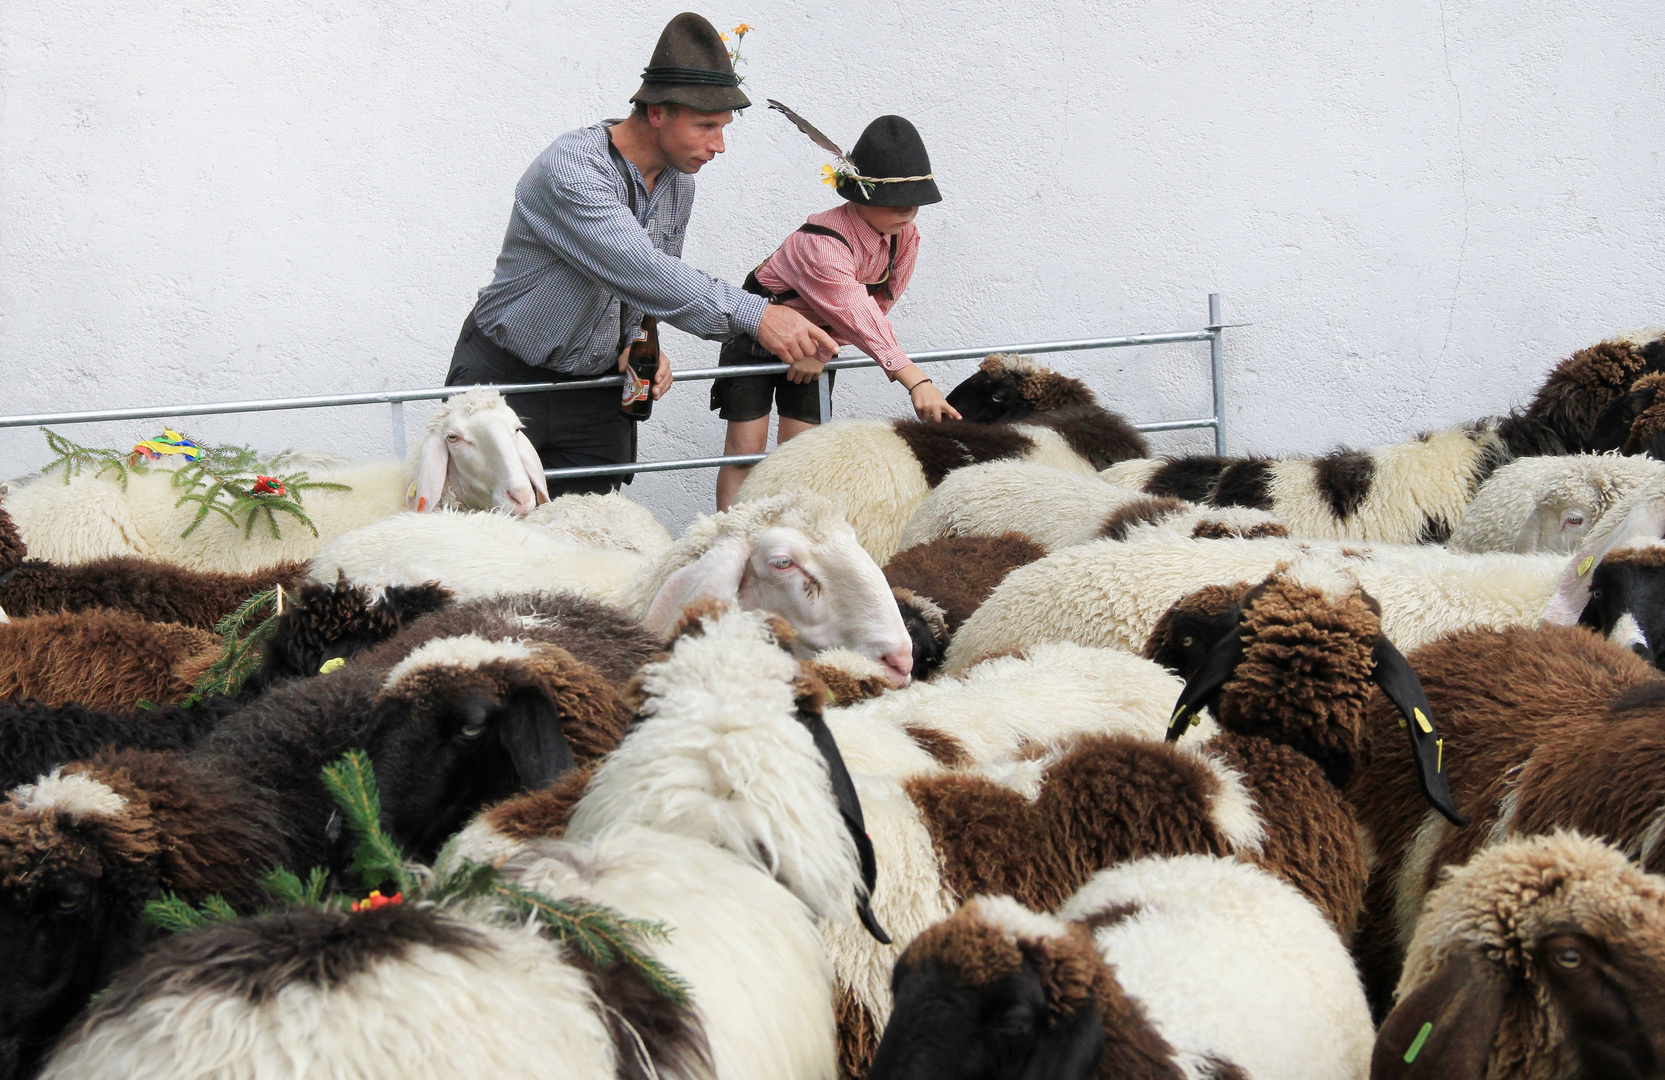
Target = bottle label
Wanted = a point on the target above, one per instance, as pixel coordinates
(641, 333)
(636, 388)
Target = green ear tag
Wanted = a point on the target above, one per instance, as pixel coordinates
(334, 663)
(1416, 1043)
(1584, 567)
(1422, 722)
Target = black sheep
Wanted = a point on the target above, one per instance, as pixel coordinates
(321, 623)
(36, 737)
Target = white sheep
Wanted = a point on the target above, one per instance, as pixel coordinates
(1549, 503)
(1191, 966)
(1111, 595)
(878, 471)
(471, 457)
(721, 816)
(792, 555)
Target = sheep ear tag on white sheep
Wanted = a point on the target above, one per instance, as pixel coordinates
(432, 471)
(1394, 675)
(1205, 685)
(1444, 1028)
(849, 808)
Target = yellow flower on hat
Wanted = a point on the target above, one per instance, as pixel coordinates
(829, 176)
(723, 36)
(744, 28)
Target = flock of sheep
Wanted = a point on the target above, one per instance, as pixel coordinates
(994, 749)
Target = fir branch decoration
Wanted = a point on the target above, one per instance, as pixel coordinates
(240, 653)
(601, 935)
(176, 916)
(235, 482)
(352, 784)
(72, 457)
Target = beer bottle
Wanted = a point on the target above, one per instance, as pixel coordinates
(639, 370)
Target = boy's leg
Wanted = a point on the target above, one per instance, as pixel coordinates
(790, 427)
(744, 437)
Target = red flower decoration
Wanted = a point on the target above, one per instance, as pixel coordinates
(269, 485)
(376, 901)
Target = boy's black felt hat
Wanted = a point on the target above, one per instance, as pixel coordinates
(691, 67)
(891, 147)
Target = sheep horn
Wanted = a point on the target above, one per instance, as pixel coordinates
(1394, 675)
(1205, 684)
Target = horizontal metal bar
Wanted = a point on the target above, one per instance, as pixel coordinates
(653, 466)
(386, 397)
(753, 459)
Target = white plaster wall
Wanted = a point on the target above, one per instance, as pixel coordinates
(1419, 206)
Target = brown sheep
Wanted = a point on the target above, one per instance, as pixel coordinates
(102, 659)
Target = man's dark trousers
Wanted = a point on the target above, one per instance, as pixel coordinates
(568, 427)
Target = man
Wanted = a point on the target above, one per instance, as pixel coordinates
(594, 242)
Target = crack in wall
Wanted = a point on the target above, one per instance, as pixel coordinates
(1462, 176)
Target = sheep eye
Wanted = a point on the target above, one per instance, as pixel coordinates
(453, 437)
(1494, 954)
(471, 731)
(781, 562)
(67, 904)
(1569, 958)
(1573, 520)
(1187, 642)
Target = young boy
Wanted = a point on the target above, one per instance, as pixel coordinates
(844, 269)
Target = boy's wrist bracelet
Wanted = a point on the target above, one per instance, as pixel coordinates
(918, 384)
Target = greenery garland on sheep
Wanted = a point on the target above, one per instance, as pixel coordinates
(600, 934)
(235, 482)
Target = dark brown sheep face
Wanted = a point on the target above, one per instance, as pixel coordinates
(1187, 632)
(71, 888)
(458, 739)
(989, 399)
(1613, 1009)
(944, 1029)
(329, 622)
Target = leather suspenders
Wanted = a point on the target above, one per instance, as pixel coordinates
(873, 288)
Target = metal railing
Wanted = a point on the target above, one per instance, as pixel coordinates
(396, 399)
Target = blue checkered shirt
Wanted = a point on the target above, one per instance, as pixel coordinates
(574, 252)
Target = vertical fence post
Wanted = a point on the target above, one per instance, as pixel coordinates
(823, 386)
(1217, 365)
(399, 430)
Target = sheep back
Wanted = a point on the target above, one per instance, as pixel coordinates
(101, 659)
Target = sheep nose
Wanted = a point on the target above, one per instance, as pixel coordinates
(899, 665)
(521, 498)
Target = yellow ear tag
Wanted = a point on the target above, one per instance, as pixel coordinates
(334, 663)
(1196, 719)
(411, 494)
(1584, 567)
(1439, 758)
(1422, 722)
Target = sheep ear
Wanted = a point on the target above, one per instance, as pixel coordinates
(1214, 673)
(849, 808)
(1394, 675)
(533, 465)
(716, 575)
(431, 472)
(1444, 1028)
(1645, 522)
(529, 728)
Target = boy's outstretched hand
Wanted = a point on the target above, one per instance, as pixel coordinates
(929, 403)
(790, 336)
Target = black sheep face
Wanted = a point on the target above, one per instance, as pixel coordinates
(1627, 601)
(69, 917)
(988, 399)
(455, 739)
(943, 1029)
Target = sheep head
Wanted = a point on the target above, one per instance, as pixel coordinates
(997, 990)
(1007, 387)
(1541, 957)
(323, 622)
(1615, 581)
(794, 556)
(475, 456)
(729, 748)
(1300, 666)
(77, 861)
(478, 720)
